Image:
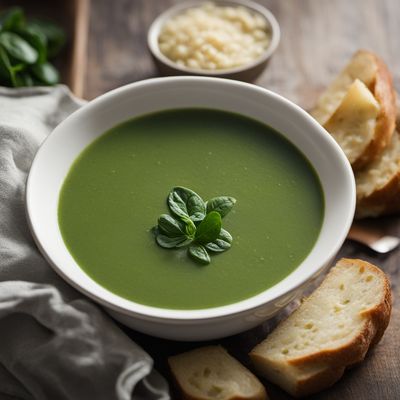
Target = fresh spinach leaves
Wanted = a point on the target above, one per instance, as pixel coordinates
(194, 223)
(209, 228)
(221, 204)
(26, 47)
(199, 253)
(18, 48)
(54, 35)
(221, 243)
(185, 203)
(11, 19)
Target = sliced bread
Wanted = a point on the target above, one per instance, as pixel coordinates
(331, 330)
(372, 71)
(300, 381)
(378, 184)
(210, 373)
(353, 124)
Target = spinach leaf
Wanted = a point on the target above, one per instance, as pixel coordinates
(6, 68)
(37, 40)
(199, 254)
(222, 243)
(4, 74)
(12, 19)
(180, 229)
(172, 233)
(221, 204)
(46, 73)
(18, 67)
(26, 47)
(24, 79)
(190, 228)
(225, 235)
(185, 203)
(54, 34)
(170, 226)
(171, 242)
(209, 229)
(18, 48)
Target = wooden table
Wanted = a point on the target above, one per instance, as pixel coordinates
(318, 37)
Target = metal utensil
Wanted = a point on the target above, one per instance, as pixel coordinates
(373, 236)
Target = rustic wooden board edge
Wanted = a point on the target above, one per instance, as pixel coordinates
(77, 71)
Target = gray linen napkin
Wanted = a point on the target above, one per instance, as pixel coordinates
(55, 344)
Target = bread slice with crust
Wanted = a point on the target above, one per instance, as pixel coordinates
(300, 381)
(372, 71)
(378, 184)
(353, 124)
(210, 373)
(330, 330)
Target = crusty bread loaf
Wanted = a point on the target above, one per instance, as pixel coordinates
(378, 183)
(330, 330)
(210, 373)
(371, 70)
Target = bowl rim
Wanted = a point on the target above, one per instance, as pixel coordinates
(182, 315)
(157, 24)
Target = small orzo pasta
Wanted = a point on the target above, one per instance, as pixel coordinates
(214, 37)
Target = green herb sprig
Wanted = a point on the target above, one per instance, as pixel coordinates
(26, 47)
(195, 224)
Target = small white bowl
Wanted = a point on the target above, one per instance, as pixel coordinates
(246, 72)
(61, 148)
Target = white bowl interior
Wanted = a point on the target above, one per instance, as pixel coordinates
(56, 155)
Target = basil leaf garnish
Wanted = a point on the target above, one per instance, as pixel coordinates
(190, 227)
(170, 226)
(199, 253)
(225, 235)
(221, 204)
(180, 229)
(184, 202)
(221, 244)
(209, 228)
(171, 242)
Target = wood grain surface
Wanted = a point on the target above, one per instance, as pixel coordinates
(318, 37)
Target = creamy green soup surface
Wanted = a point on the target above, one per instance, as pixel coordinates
(118, 186)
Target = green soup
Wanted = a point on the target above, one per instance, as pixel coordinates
(117, 188)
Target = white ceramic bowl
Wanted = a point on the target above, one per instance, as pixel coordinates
(58, 152)
(246, 72)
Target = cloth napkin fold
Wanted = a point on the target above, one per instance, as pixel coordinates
(55, 344)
